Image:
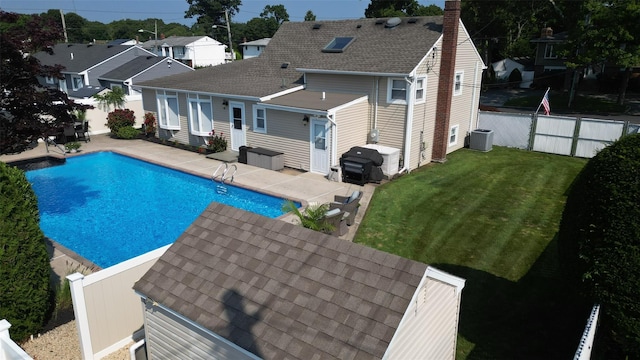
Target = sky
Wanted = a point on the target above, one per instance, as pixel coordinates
(169, 11)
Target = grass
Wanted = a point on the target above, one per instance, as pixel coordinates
(490, 218)
(559, 100)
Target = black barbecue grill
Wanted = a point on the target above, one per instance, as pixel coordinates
(361, 165)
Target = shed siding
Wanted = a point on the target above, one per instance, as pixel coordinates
(352, 128)
(169, 337)
(285, 133)
(430, 324)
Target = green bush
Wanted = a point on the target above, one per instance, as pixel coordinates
(599, 240)
(119, 118)
(127, 132)
(216, 143)
(24, 262)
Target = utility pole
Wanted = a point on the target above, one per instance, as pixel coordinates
(226, 16)
(64, 27)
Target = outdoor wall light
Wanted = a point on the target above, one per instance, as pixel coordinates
(225, 102)
(305, 120)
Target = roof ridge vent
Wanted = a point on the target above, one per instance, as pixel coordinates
(392, 22)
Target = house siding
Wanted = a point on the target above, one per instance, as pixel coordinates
(112, 64)
(352, 128)
(391, 119)
(285, 133)
(424, 114)
(169, 337)
(464, 107)
(429, 325)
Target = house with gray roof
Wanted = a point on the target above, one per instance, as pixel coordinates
(322, 87)
(194, 51)
(253, 48)
(140, 69)
(83, 64)
(237, 285)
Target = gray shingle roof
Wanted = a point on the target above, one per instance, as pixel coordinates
(255, 77)
(313, 100)
(376, 49)
(283, 291)
(133, 67)
(84, 56)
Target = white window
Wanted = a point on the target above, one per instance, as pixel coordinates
(421, 84)
(549, 53)
(77, 82)
(178, 51)
(50, 80)
(200, 115)
(453, 135)
(457, 83)
(259, 119)
(397, 91)
(168, 110)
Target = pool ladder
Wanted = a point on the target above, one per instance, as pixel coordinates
(220, 188)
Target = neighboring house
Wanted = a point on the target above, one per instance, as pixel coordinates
(505, 67)
(322, 87)
(140, 69)
(194, 51)
(253, 48)
(83, 64)
(547, 48)
(237, 285)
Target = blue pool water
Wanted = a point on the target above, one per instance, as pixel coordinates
(109, 208)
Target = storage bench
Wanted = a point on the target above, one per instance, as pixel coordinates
(265, 158)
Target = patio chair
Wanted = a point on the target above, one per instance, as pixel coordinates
(82, 132)
(348, 204)
(336, 218)
(69, 133)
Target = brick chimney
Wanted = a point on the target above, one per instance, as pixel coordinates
(450, 26)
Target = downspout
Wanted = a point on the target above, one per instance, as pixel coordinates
(408, 125)
(474, 108)
(133, 348)
(334, 139)
(375, 103)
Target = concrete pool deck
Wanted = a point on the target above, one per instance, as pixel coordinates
(301, 186)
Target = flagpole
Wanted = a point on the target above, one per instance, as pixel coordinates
(545, 94)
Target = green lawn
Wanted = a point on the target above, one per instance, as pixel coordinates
(490, 218)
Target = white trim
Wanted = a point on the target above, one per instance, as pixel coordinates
(390, 88)
(458, 91)
(552, 54)
(50, 80)
(446, 278)
(453, 128)
(423, 98)
(200, 327)
(262, 130)
(408, 126)
(199, 99)
(80, 312)
(338, 72)
(295, 109)
(281, 93)
(220, 95)
(163, 96)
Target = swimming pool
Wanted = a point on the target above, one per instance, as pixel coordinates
(109, 208)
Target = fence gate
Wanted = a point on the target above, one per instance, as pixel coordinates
(554, 134)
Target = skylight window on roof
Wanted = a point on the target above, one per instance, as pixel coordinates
(338, 44)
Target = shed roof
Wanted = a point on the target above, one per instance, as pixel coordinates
(280, 290)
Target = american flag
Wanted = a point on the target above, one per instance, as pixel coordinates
(545, 103)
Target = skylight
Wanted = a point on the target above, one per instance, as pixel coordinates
(338, 44)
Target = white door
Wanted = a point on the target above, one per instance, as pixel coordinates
(319, 146)
(236, 122)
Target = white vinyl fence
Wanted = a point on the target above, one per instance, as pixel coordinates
(564, 135)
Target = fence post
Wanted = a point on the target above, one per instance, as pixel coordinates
(532, 132)
(80, 311)
(576, 136)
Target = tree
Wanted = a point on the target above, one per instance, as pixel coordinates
(24, 262)
(607, 33)
(309, 16)
(276, 12)
(29, 111)
(400, 8)
(111, 98)
(210, 12)
(599, 240)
